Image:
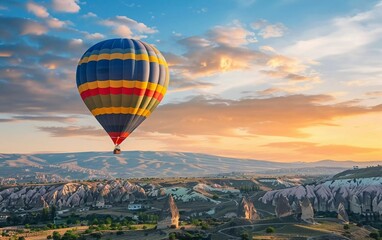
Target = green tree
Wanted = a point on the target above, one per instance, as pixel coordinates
(346, 226)
(245, 236)
(172, 236)
(69, 235)
(53, 211)
(96, 235)
(270, 230)
(45, 214)
(95, 221)
(56, 235)
(374, 235)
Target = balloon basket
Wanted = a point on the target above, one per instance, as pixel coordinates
(117, 150)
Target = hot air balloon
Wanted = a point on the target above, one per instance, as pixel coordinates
(122, 81)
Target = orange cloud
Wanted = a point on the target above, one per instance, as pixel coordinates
(275, 116)
(332, 150)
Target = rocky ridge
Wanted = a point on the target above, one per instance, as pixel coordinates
(357, 195)
(70, 195)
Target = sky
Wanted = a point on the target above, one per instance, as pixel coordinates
(286, 80)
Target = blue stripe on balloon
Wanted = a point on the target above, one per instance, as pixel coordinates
(118, 69)
(118, 122)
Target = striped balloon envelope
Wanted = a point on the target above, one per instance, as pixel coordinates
(122, 81)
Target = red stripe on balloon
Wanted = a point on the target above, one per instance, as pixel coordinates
(118, 137)
(122, 90)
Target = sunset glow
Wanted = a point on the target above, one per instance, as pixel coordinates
(271, 80)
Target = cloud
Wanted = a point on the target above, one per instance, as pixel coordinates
(5, 120)
(225, 49)
(374, 94)
(273, 116)
(272, 31)
(72, 131)
(41, 12)
(331, 150)
(90, 15)
(340, 35)
(55, 23)
(57, 45)
(214, 60)
(267, 30)
(69, 6)
(39, 118)
(290, 69)
(40, 76)
(202, 10)
(12, 27)
(211, 55)
(95, 36)
(128, 28)
(37, 10)
(183, 84)
(268, 49)
(232, 36)
(195, 42)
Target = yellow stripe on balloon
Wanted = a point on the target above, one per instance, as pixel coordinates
(121, 110)
(122, 56)
(120, 83)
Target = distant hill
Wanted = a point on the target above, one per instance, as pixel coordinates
(137, 164)
(368, 172)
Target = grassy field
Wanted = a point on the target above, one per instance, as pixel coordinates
(292, 230)
(304, 231)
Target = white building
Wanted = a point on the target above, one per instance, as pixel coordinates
(134, 206)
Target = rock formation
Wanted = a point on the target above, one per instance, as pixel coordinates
(283, 207)
(247, 210)
(169, 216)
(342, 214)
(357, 195)
(69, 195)
(307, 213)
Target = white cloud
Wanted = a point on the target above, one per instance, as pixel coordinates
(95, 36)
(272, 31)
(55, 23)
(41, 12)
(33, 28)
(341, 35)
(70, 6)
(268, 49)
(267, 30)
(233, 36)
(37, 10)
(90, 14)
(127, 27)
(76, 42)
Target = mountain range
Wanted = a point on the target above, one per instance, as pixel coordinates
(137, 164)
